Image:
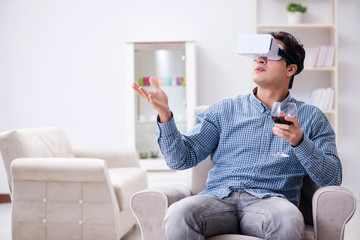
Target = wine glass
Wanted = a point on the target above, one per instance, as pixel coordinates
(278, 112)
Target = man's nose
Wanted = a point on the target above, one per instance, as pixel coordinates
(262, 60)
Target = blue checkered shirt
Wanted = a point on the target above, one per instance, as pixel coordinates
(237, 133)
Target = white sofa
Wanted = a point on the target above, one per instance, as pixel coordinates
(60, 192)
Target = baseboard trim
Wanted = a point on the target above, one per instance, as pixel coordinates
(5, 198)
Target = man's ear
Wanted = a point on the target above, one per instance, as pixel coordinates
(291, 69)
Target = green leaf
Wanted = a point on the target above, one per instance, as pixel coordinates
(296, 7)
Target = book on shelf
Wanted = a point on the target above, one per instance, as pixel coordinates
(322, 98)
(323, 56)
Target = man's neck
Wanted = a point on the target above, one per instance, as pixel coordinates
(269, 96)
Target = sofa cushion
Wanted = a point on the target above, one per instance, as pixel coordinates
(126, 182)
(309, 233)
(42, 142)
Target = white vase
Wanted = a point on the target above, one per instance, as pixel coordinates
(294, 17)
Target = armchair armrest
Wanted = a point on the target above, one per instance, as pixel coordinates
(59, 169)
(149, 207)
(114, 157)
(333, 207)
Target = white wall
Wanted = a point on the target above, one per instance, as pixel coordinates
(349, 93)
(61, 63)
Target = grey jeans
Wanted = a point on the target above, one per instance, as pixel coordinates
(201, 216)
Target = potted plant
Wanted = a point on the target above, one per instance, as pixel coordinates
(295, 10)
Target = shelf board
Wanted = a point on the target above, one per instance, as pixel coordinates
(163, 86)
(296, 26)
(328, 112)
(153, 46)
(155, 165)
(326, 69)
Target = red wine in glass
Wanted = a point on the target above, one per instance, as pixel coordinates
(278, 112)
(280, 120)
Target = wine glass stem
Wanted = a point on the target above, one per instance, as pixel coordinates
(281, 141)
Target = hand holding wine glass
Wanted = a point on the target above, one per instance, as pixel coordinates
(280, 113)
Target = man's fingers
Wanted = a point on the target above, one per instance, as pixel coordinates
(137, 89)
(154, 83)
(146, 94)
(157, 98)
(153, 101)
(294, 121)
(142, 92)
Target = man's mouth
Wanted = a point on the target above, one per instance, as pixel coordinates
(259, 69)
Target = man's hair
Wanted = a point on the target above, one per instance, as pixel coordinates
(294, 48)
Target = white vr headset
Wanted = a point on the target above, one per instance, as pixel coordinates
(261, 45)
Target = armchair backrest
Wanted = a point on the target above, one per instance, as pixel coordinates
(33, 142)
(200, 172)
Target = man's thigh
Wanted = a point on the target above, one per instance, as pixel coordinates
(272, 218)
(207, 215)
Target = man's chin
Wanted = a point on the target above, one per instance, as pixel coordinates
(263, 83)
(258, 80)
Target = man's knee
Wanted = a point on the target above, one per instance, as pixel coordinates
(273, 218)
(180, 211)
(286, 222)
(199, 216)
(182, 216)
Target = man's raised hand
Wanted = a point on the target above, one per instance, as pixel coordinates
(157, 99)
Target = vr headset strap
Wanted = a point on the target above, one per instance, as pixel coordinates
(286, 56)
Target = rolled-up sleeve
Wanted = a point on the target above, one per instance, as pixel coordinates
(186, 151)
(318, 154)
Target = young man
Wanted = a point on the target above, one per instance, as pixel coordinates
(249, 191)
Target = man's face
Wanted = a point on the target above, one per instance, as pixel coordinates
(271, 73)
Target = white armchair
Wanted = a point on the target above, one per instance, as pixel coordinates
(60, 192)
(326, 210)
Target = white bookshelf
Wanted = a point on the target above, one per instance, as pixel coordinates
(165, 61)
(314, 30)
